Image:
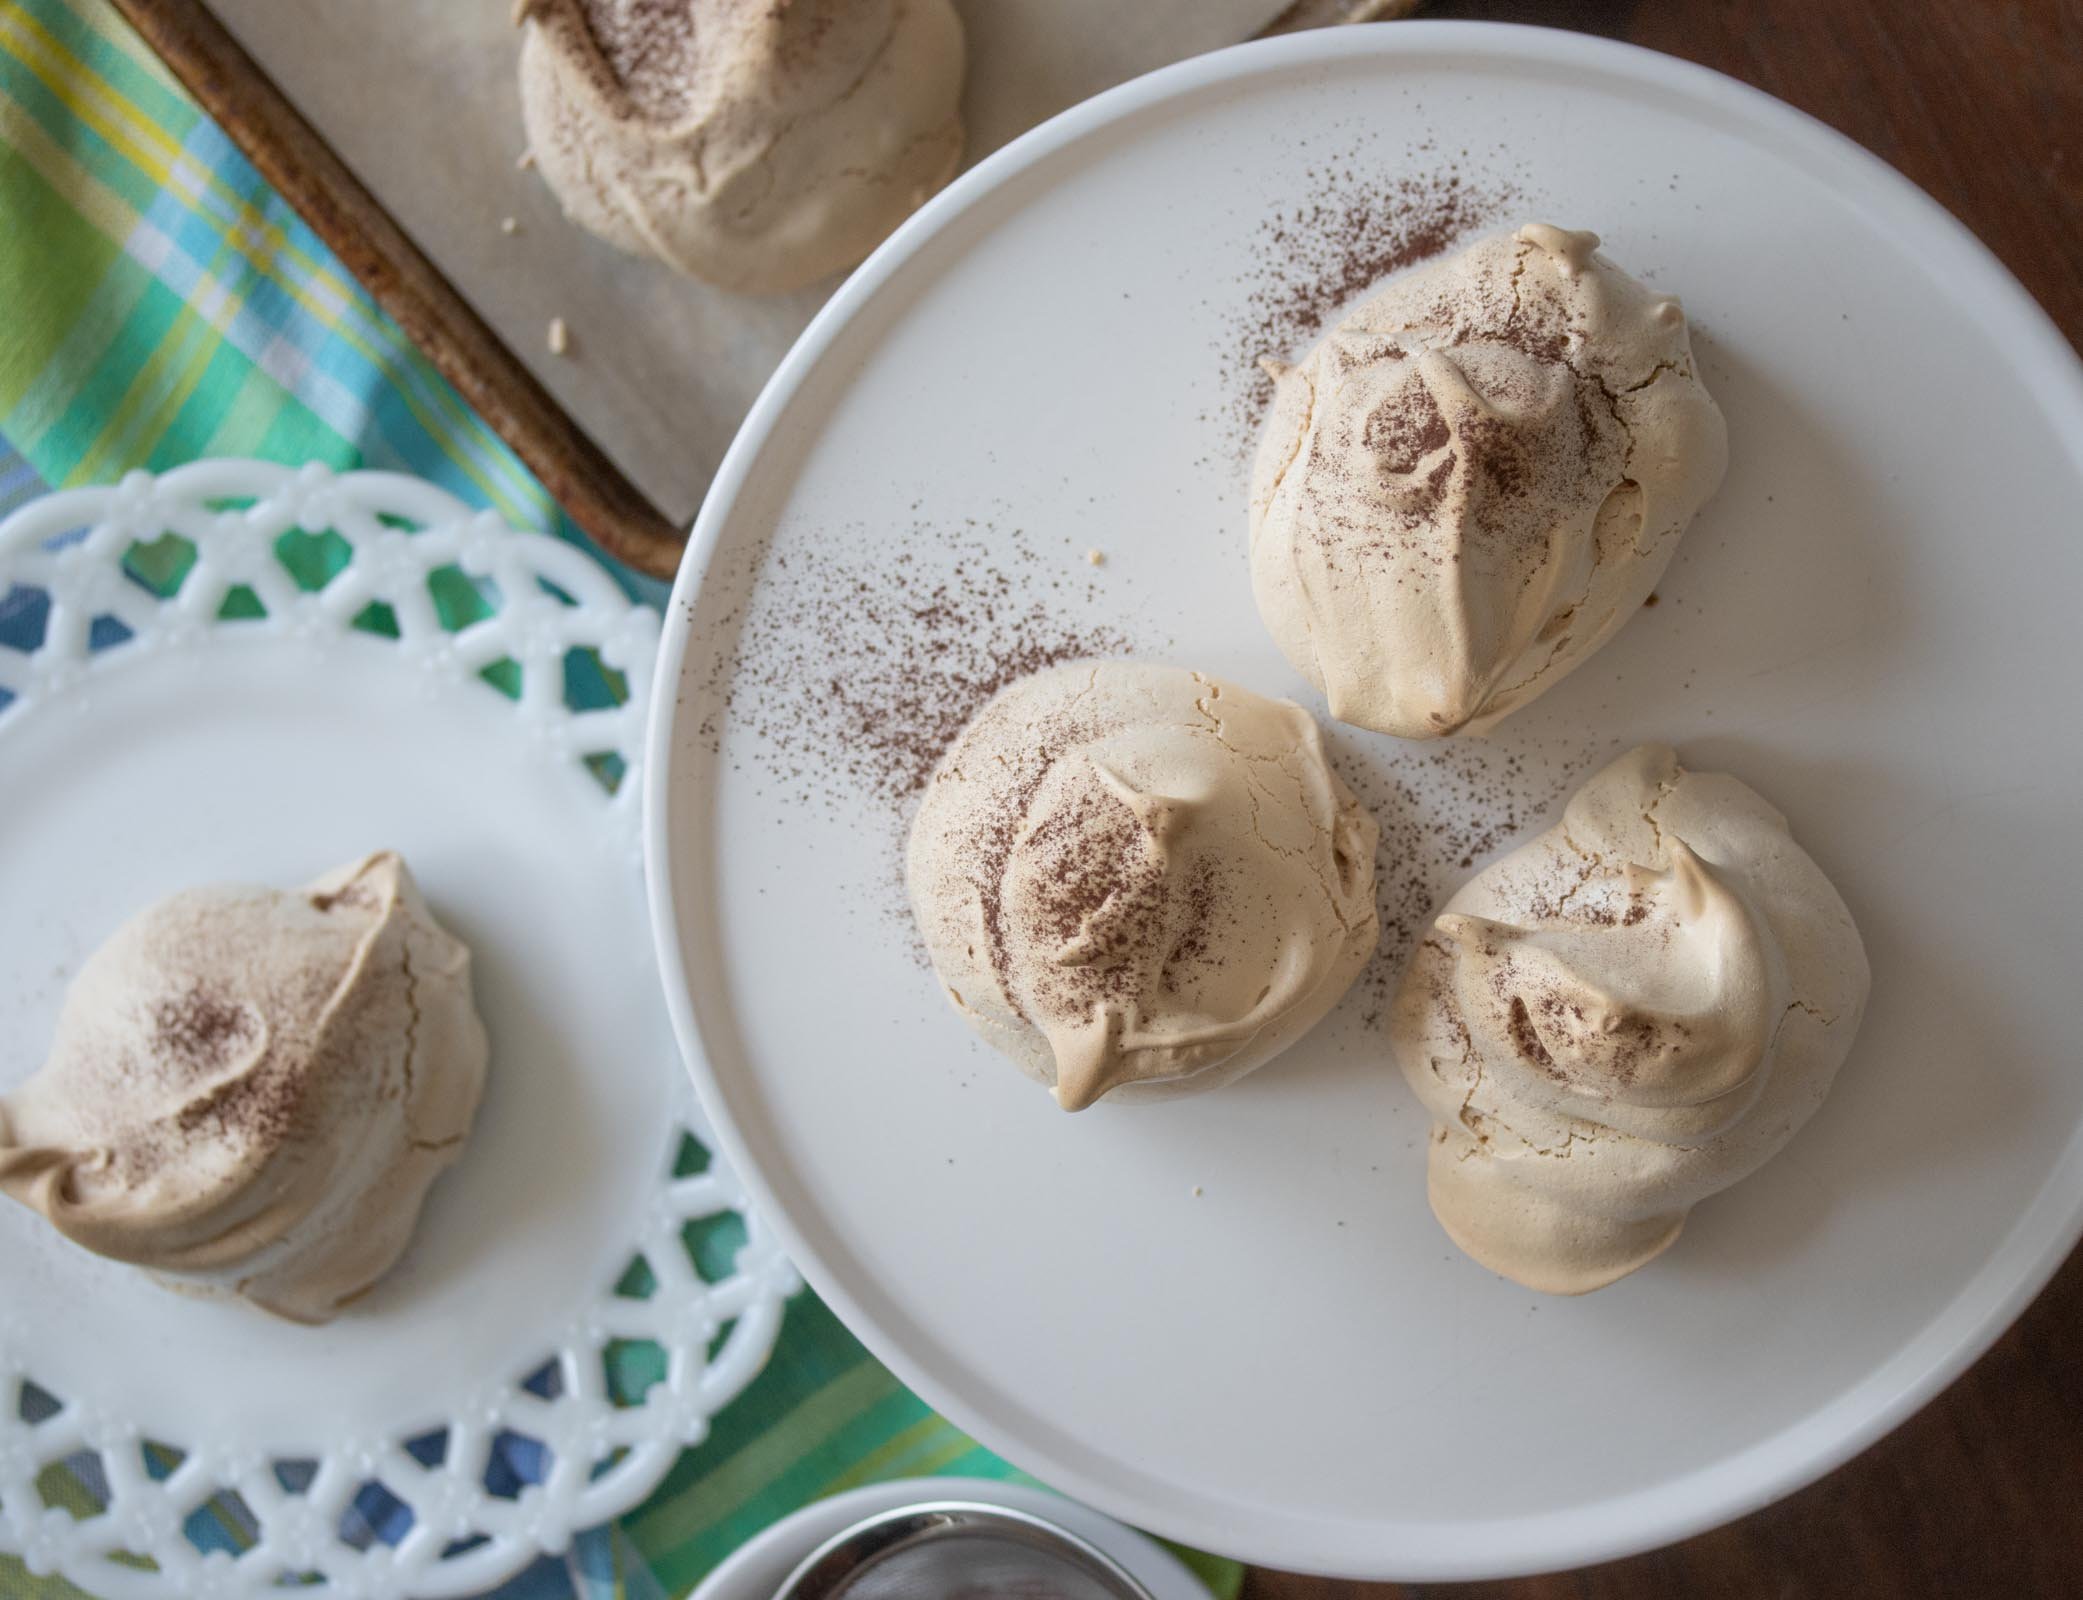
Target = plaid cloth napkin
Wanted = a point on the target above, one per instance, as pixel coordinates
(158, 303)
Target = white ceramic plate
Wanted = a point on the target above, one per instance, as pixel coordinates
(758, 1568)
(465, 1415)
(1871, 624)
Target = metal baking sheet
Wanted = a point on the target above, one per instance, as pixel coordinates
(419, 97)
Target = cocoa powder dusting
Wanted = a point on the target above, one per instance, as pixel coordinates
(649, 47)
(1528, 1043)
(1078, 882)
(196, 1030)
(1102, 891)
(1207, 913)
(1443, 812)
(261, 1108)
(847, 673)
(198, 1034)
(1365, 214)
(993, 846)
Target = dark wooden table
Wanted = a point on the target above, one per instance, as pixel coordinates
(1981, 1495)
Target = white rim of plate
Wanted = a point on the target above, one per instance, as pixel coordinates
(2042, 1237)
(607, 1454)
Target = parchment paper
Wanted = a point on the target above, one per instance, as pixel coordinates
(419, 98)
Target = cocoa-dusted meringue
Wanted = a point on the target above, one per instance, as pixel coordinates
(250, 1091)
(1138, 881)
(757, 144)
(1622, 1017)
(1475, 478)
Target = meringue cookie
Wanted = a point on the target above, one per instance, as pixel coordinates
(1474, 479)
(250, 1091)
(1137, 881)
(757, 145)
(1622, 1017)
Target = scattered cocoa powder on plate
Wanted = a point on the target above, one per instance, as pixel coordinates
(1445, 809)
(853, 666)
(1363, 215)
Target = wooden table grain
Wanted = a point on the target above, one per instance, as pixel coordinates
(1980, 1496)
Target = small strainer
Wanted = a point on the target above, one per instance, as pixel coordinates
(958, 1550)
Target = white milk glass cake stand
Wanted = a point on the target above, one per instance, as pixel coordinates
(242, 671)
(1232, 1318)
